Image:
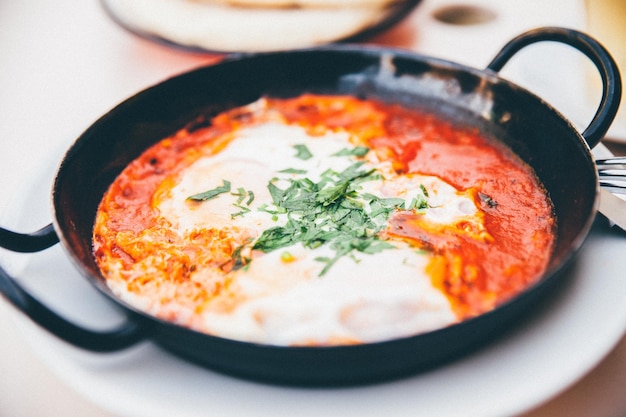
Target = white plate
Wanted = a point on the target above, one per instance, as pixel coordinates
(543, 356)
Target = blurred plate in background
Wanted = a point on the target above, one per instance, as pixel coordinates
(256, 25)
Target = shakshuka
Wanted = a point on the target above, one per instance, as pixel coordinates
(322, 220)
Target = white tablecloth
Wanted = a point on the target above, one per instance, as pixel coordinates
(63, 63)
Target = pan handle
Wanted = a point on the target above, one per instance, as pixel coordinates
(609, 72)
(28, 242)
(127, 334)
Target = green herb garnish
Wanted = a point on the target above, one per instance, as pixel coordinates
(302, 152)
(241, 194)
(328, 212)
(356, 151)
(207, 195)
(239, 261)
(331, 211)
(293, 171)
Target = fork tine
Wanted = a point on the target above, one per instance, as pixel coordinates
(611, 162)
(612, 173)
(614, 187)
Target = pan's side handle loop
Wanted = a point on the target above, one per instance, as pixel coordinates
(28, 242)
(609, 72)
(126, 335)
(118, 338)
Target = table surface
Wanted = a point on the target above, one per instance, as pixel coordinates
(51, 73)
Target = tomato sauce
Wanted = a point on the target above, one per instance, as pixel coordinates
(475, 275)
(476, 269)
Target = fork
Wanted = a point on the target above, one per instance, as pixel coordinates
(612, 173)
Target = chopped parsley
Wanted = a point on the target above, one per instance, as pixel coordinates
(420, 201)
(329, 212)
(293, 171)
(239, 261)
(241, 194)
(332, 211)
(356, 151)
(302, 152)
(207, 195)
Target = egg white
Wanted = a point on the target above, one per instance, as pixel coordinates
(362, 298)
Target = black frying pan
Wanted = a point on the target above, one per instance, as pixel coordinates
(559, 154)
